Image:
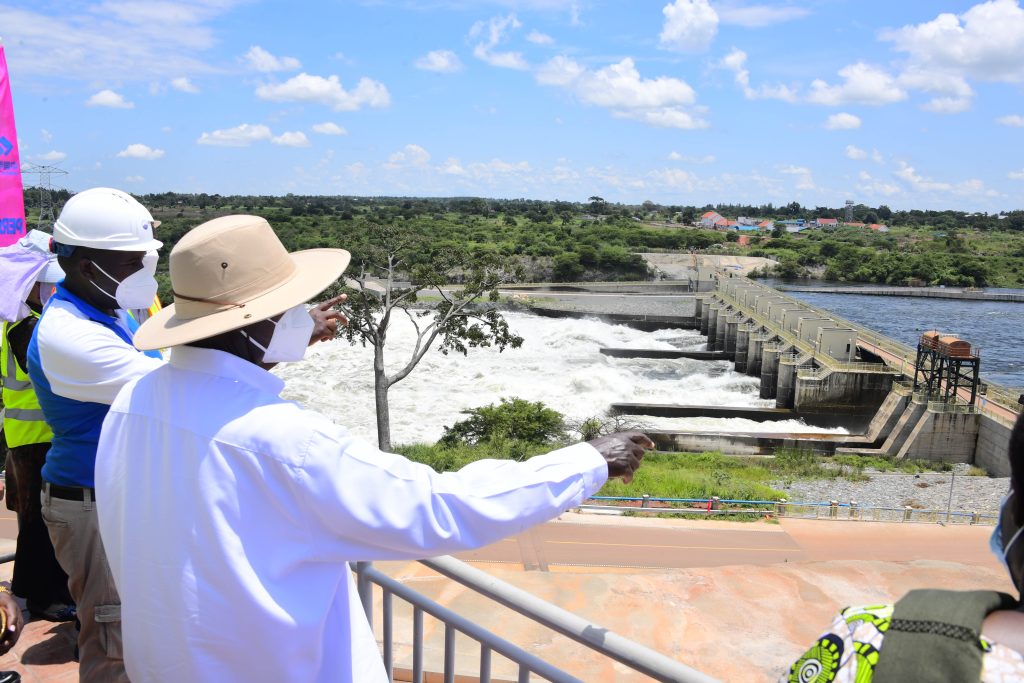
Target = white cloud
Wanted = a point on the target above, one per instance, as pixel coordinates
(239, 136)
(876, 156)
(690, 25)
(52, 156)
(440, 61)
(329, 128)
(620, 88)
(856, 153)
(1016, 175)
(985, 42)
(326, 91)
(410, 155)
(875, 187)
(134, 179)
(947, 105)
(736, 61)
(184, 85)
(109, 98)
(452, 166)
(260, 60)
(45, 135)
(676, 156)
(967, 188)
(674, 178)
(140, 151)
(538, 38)
(862, 84)
(1012, 120)
(756, 16)
(842, 121)
(493, 33)
(112, 40)
(291, 139)
(907, 173)
(804, 177)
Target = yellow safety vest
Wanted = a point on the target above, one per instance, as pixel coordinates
(23, 418)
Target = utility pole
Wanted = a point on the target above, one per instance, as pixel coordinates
(849, 210)
(45, 187)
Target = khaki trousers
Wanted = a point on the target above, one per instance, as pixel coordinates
(75, 532)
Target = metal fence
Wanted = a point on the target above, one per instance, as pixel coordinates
(826, 510)
(599, 640)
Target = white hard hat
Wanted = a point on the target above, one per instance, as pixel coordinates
(105, 218)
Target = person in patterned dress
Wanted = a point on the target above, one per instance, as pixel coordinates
(849, 651)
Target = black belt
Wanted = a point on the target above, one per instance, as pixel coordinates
(69, 492)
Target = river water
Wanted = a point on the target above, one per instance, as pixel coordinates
(559, 364)
(994, 327)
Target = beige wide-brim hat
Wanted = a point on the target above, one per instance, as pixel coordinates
(231, 272)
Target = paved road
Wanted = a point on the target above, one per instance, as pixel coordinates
(579, 544)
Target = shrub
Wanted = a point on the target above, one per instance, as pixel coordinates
(511, 420)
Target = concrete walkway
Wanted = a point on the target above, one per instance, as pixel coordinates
(738, 601)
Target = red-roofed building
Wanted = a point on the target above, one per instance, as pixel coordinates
(710, 219)
(827, 222)
(856, 225)
(879, 227)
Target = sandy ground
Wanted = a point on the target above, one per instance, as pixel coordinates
(678, 266)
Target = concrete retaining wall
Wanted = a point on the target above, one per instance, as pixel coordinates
(943, 437)
(993, 446)
(858, 392)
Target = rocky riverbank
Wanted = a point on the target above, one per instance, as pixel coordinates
(925, 491)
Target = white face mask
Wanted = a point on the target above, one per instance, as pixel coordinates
(138, 289)
(46, 290)
(290, 339)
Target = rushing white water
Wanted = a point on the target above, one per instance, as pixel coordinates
(559, 363)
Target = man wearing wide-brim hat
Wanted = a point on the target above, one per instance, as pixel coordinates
(229, 514)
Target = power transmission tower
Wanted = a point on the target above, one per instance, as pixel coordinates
(45, 187)
(849, 210)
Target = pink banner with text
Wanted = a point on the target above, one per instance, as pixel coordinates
(12, 198)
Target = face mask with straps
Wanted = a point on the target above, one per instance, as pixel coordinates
(290, 339)
(138, 289)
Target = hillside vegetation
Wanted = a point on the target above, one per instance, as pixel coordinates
(596, 240)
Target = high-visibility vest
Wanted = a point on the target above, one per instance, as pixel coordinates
(23, 418)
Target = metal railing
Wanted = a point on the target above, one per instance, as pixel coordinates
(827, 510)
(592, 636)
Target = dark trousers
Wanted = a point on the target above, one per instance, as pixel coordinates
(38, 576)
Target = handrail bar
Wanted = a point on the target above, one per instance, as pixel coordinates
(366, 571)
(608, 643)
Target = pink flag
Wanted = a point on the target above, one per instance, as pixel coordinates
(12, 199)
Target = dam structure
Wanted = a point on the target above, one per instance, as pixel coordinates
(893, 399)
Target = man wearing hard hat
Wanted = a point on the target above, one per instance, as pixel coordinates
(30, 273)
(230, 515)
(80, 356)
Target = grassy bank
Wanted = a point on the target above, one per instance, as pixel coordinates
(688, 475)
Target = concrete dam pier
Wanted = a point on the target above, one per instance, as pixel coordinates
(829, 371)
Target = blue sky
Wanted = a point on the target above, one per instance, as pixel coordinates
(913, 104)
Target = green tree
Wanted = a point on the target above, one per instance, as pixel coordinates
(465, 317)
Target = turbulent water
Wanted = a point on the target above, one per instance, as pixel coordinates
(559, 364)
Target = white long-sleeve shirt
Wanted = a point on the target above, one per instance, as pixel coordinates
(228, 516)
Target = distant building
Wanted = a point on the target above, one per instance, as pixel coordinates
(709, 219)
(827, 222)
(879, 227)
(794, 225)
(744, 220)
(856, 225)
(766, 225)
